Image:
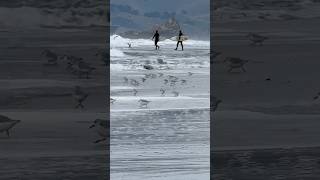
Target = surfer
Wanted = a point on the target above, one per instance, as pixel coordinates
(180, 40)
(156, 39)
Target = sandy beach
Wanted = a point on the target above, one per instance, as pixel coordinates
(270, 111)
(168, 138)
(53, 139)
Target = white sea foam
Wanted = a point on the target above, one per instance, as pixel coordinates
(117, 41)
(116, 53)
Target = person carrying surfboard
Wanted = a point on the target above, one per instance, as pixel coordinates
(156, 38)
(180, 40)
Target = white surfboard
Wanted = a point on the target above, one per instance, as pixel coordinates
(182, 38)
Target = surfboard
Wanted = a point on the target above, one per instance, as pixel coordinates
(176, 38)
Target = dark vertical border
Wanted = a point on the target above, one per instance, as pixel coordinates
(108, 85)
(211, 90)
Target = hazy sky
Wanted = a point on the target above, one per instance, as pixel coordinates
(193, 6)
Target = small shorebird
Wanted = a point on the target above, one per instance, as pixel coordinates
(148, 67)
(183, 82)
(134, 82)
(50, 57)
(215, 54)
(102, 128)
(160, 61)
(143, 79)
(153, 76)
(166, 81)
(317, 96)
(135, 92)
(173, 82)
(80, 96)
(256, 39)
(71, 61)
(125, 80)
(144, 103)
(173, 77)
(236, 63)
(6, 124)
(160, 74)
(129, 45)
(214, 103)
(163, 91)
(175, 93)
(190, 73)
(112, 100)
(84, 68)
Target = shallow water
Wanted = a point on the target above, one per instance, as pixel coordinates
(168, 138)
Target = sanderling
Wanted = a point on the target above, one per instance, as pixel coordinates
(135, 92)
(148, 67)
(215, 54)
(160, 74)
(144, 103)
(160, 61)
(134, 82)
(84, 68)
(112, 100)
(163, 91)
(125, 80)
(102, 128)
(236, 63)
(256, 39)
(317, 96)
(6, 124)
(214, 103)
(50, 57)
(80, 96)
(175, 93)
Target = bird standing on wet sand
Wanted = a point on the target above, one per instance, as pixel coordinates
(317, 96)
(175, 93)
(236, 63)
(112, 100)
(162, 91)
(135, 92)
(214, 103)
(102, 128)
(80, 96)
(50, 57)
(6, 124)
(144, 103)
(126, 80)
(134, 82)
(256, 39)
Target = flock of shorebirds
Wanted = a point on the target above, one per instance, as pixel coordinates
(236, 63)
(101, 127)
(168, 82)
(73, 64)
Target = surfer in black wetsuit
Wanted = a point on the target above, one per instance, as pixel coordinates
(180, 40)
(156, 39)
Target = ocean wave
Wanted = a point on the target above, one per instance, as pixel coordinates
(117, 41)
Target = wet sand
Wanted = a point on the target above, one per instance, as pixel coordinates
(53, 139)
(168, 139)
(268, 111)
